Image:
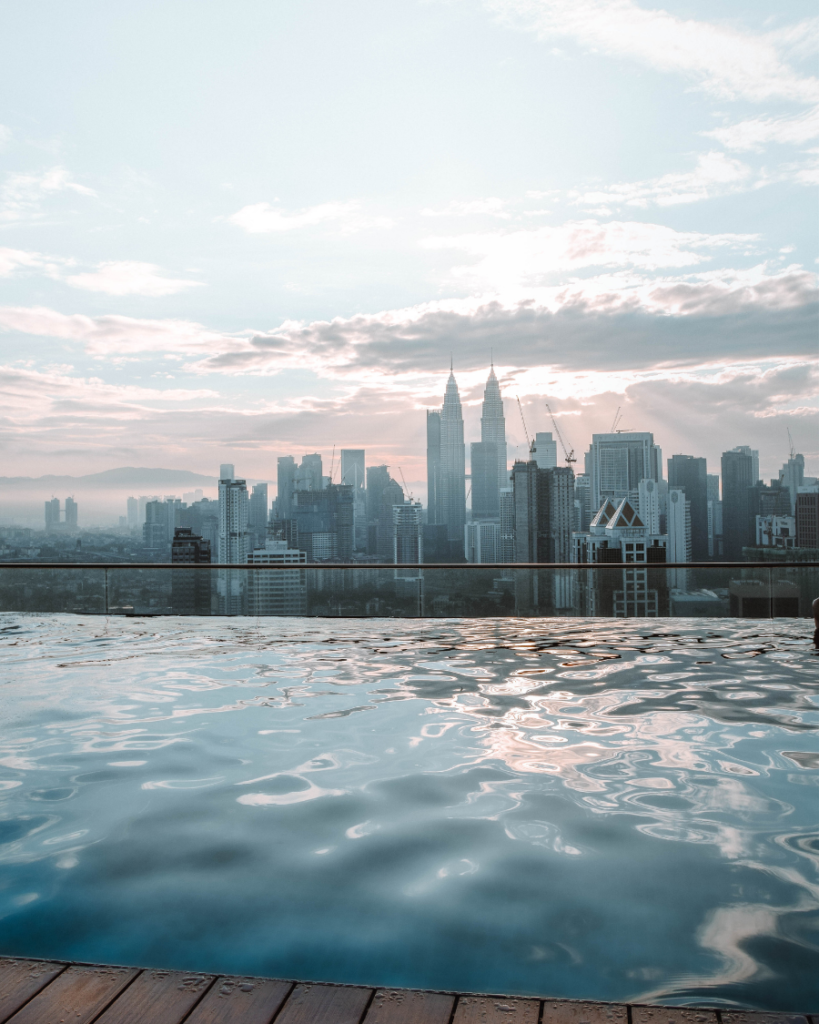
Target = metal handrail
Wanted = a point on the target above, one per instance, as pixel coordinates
(327, 566)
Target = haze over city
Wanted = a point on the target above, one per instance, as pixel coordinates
(200, 266)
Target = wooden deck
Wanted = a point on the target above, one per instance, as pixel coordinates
(40, 992)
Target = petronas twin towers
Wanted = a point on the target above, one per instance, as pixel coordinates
(446, 462)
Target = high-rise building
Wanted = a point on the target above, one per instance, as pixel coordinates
(648, 505)
(227, 471)
(279, 591)
(258, 515)
(378, 477)
(792, 477)
(618, 462)
(740, 469)
(446, 466)
(690, 474)
(157, 530)
(714, 517)
(285, 486)
(132, 513)
(309, 475)
(353, 468)
(190, 590)
(234, 544)
(483, 538)
(506, 536)
(325, 521)
(807, 517)
(582, 501)
(392, 496)
(544, 450)
(544, 521)
(678, 544)
(485, 489)
(52, 515)
(407, 530)
(493, 427)
(71, 511)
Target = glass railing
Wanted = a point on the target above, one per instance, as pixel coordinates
(737, 590)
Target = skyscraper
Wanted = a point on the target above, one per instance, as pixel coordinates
(433, 467)
(286, 485)
(352, 467)
(544, 450)
(450, 500)
(257, 516)
(690, 474)
(52, 515)
(493, 424)
(739, 474)
(618, 462)
(234, 544)
(408, 544)
(484, 473)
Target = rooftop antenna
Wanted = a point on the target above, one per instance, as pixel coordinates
(523, 421)
(792, 452)
(569, 454)
(617, 417)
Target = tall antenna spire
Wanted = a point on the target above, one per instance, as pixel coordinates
(451, 367)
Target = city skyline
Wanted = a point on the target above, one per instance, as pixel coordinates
(187, 279)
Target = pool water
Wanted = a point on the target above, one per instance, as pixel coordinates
(582, 808)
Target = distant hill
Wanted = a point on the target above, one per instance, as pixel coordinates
(116, 479)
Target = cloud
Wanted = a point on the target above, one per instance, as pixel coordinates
(14, 259)
(722, 60)
(5, 135)
(509, 262)
(125, 277)
(466, 208)
(262, 218)
(114, 336)
(21, 195)
(715, 174)
(757, 133)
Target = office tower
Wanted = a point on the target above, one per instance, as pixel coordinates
(143, 501)
(792, 477)
(773, 500)
(71, 510)
(618, 462)
(52, 515)
(190, 590)
(678, 544)
(447, 463)
(483, 538)
(202, 518)
(484, 457)
(543, 502)
(309, 475)
(353, 474)
(133, 513)
(392, 495)
(582, 501)
(285, 486)
(618, 534)
(234, 545)
(407, 533)
(493, 427)
(506, 536)
(739, 469)
(280, 591)
(157, 530)
(325, 523)
(436, 543)
(524, 498)
(807, 517)
(433, 467)
(258, 515)
(690, 474)
(227, 471)
(544, 450)
(353, 468)
(714, 517)
(378, 477)
(648, 505)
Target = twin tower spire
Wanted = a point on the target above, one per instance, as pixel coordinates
(446, 461)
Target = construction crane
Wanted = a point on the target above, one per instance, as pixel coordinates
(332, 463)
(525, 431)
(617, 417)
(404, 482)
(569, 454)
(792, 451)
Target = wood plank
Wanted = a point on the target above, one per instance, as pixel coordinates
(402, 1006)
(671, 1015)
(752, 1017)
(561, 1011)
(78, 994)
(247, 1000)
(490, 1010)
(325, 1004)
(162, 997)
(22, 979)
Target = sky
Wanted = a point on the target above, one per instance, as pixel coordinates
(230, 232)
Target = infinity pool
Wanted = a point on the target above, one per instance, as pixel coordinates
(599, 809)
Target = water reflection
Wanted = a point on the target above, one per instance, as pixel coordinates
(567, 808)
